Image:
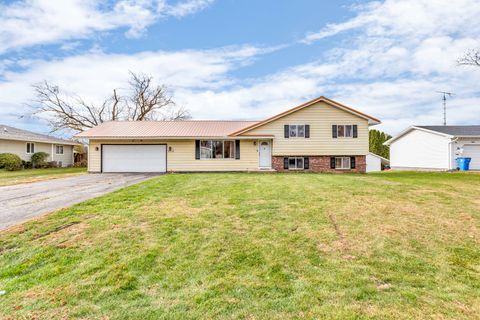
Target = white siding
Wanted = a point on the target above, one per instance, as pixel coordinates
(373, 163)
(420, 150)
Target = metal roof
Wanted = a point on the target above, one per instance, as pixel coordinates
(458, 131)
(11, 133)
(174, 129)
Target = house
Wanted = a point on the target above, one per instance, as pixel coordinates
(434, 147)
(376, 162)
(321, 135)
(25, 143)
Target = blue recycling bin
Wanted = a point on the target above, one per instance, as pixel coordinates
(463, 164)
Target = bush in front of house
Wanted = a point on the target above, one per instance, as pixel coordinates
(27, 164)
(10, 162)
(81, 164)
(39, 159)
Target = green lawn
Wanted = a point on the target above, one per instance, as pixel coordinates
(32, 175)
(254, 246)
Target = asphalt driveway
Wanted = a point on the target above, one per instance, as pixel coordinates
(22, 202)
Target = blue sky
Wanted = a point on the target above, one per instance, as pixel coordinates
(232, 59)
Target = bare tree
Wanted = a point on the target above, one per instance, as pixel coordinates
(470, 58)
(144, 101)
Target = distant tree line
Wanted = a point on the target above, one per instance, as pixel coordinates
(377, 138)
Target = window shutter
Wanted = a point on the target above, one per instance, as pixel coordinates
(334, 131)
(307, 131)
(285, 163)
(197, 149)
(332, 163)
(352, 162)
(355, 131)
(306, 163)
(286, 130)
(237, 149)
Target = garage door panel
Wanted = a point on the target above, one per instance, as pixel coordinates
(134, 158)
(472, 151)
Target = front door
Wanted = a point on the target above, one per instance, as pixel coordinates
(265, 154)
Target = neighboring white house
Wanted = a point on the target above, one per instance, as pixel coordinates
(375, 162)
(435, 147)
(25, 143)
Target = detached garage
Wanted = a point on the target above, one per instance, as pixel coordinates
(435, 147)
(134, 158)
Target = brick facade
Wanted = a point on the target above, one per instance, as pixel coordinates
(322, 164)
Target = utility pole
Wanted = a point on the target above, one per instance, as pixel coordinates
(445, 104)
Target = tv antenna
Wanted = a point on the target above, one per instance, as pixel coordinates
(445, 104)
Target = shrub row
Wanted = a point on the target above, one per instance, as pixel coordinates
(12, 162)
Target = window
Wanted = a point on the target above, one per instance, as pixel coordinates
(295, 163)
(217, 149)
(342, 163)
(297, 131)
(58, 149)
(30, 147)
(345, 131)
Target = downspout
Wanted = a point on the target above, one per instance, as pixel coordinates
(451, 155)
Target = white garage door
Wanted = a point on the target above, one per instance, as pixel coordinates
(472, 151)
(134, 158)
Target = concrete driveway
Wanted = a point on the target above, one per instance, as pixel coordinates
(21, 202)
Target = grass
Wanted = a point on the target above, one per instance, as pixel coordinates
(33, 175)
(393, 245)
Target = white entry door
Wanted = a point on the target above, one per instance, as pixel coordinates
(472, 151)
(265, 151)
(134, 158)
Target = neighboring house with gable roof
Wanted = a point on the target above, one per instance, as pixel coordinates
(25, 143)
(321, 135)
(435, 147)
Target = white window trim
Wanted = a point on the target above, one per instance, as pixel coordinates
(303, 163)
(343, 163)
(56, 149)
(223, 149)
(344, 131)
(296, 130)
(26, 148)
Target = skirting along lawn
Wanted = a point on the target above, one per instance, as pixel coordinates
(254, 246)
(32, 175)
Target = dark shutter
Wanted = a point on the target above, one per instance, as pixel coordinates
(306, 163)
(352, 162)
(355, 131)
(197, 149)
(334, 131)
(285, 163)
(307, 131)
(286, 131)
(237, 149)
(332, 163)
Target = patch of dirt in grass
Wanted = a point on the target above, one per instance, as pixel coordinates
(171, 208)
(15, 229)
(69, 236)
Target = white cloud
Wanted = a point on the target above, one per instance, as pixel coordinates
(399, 54)
(27, 23)
(93, 76)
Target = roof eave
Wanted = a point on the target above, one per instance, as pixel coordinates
(174, 137)
(404, 132)
(65, 142)
(371, 121)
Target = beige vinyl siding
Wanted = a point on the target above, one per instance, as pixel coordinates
(182, 156)
(20, 148)
(320, 116)
(66, 158)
